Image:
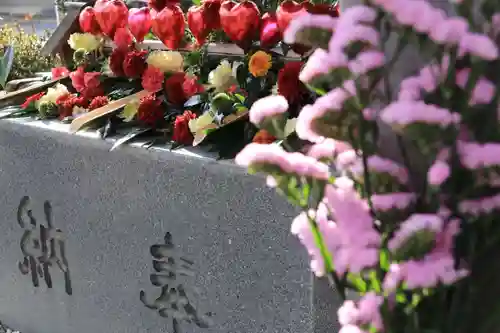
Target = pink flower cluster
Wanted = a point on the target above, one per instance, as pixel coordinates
(475, 155)
(258, 155)
(400, 114)
(381, 165)
(443, 30)
(268, 107)
(427, 80)
(321, 63)
(482, 206)
(390, 201)
(438, 266)
(306, 21)
(328, 149)
(365, 313)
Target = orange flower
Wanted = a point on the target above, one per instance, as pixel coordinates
(263, 137)
(259, 63)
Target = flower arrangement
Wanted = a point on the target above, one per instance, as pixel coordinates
(408, 228)
(192, 93)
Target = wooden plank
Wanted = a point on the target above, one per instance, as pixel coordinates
(78, 123)
(19, 96)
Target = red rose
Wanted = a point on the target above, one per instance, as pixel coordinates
(92, 84)
(123, 39)
(135, 63)
(116, 62)
(150, 111)
(59, 72)
(77, 79)
(152, 79)
(30, 101)
(289, 85)
(98, 102)
(174, 89)
(182, 134)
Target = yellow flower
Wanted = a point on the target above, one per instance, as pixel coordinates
(259, 63)
(224, 76)
(129, 111)
(166, 61)
(53, 94)
(195, 125)
(86, 41)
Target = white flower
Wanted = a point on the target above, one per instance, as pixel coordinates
(53, 94)
(166, 61)
(86, 41)
(201, 122)
(224, 76)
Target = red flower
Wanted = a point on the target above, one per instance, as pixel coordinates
(180, 87)
(263, 137)
(30, 101)
(77, 79)
(191, 87)
(289, 85)
(182, 134)
(88, 84)
(116, 62)
(123, 39)
(59, 72)
(152, 79)
(135, 63)
(98, 102)
(150, 111)
(93, 86)
(67, 102)
(158, 5)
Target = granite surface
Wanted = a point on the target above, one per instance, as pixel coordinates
(235, 259)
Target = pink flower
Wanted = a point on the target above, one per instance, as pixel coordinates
(382, 165)
(414, 224)
(351, 34)
(367, 312)
(322, 63)
(327, 149)
(367, 61)
(403, 113)
(305, 21)
(258, 155)
(268, 107)
(478, 45)
(438, 173)
(449, 31)
(59, 72)
(389, 201)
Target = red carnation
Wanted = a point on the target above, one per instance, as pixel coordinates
(182, 134)
(116, 62)
(180, 87)
(289, 85)
(135, 63)
(152, 79)
(77, 79)
(59, 72)
(98, 102)
(93, 86)
(67, 102)
(31, 100)
(123, 39)
(150, 111)
(191, 87)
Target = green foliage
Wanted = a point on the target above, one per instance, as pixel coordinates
(6, 64)
(27, 57)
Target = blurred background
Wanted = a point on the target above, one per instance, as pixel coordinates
(30, 14)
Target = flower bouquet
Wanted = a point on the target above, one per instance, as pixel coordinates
(409, 227)
(194, 96)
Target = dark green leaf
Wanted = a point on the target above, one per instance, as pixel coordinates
(131, 135)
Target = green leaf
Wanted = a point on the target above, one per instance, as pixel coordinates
(196, 2)
(240, 98)
(131, 135)
(6, 64)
